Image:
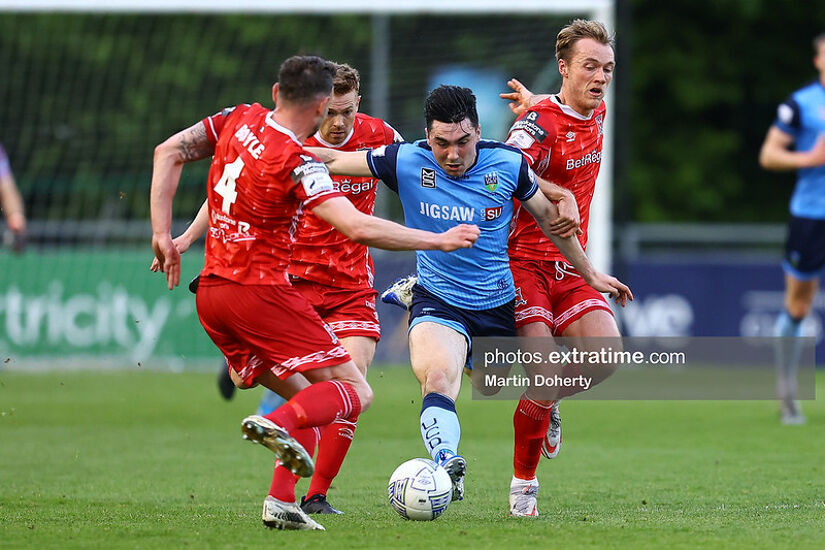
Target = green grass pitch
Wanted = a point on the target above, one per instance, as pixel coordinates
(155, 460)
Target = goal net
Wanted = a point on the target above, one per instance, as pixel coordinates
(89, 88)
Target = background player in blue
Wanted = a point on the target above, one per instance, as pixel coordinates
(796, 141)
(453, 177)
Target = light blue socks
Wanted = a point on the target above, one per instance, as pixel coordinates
(440, 429)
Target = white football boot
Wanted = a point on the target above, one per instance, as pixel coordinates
(524, 497)
(400, 292)
(791, 411)
(287, 515)
(456, 467)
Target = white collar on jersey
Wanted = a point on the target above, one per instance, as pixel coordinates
(271, 122)
(323, 142)
(568, 110)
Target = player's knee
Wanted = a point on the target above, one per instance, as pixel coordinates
(798, 309)
(602, 373)
(487, 390)
(365, 394)
(437, 381)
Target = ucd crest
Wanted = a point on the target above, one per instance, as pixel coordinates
(428, 178)
(491, 181)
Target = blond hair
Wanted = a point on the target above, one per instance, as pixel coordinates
(579, 29)
(346, 79)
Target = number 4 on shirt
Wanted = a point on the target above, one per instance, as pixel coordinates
(226, 185)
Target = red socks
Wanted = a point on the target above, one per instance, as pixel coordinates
(283, 481)
(332, 450)
(530, 422)
(317, 405)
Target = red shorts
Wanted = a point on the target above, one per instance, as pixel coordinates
(266, 327)
(348, 312)
(552, 293)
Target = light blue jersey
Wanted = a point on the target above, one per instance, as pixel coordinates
(474, 278)
(803, 117)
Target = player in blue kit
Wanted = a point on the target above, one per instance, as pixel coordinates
(796, 141)
(454, 177)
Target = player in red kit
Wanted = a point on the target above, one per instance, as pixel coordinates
(336, 274)
(259, 181)
(332, 272)
(561, 136)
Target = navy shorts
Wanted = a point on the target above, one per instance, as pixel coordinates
(498, 321)
(805, 248)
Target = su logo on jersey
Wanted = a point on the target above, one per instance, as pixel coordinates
(492, 213)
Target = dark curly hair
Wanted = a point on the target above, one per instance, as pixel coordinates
(450, 104)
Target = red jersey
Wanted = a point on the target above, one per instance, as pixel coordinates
(259, 181)
(321, 253)
(562, 147)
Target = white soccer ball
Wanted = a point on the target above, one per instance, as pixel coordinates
(420, 489)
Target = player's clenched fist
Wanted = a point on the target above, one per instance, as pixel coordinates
(460, 236)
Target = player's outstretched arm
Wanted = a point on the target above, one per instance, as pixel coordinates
(170, 156)
(545, 212)
(343, 163)
(521, 98)
(371, 231)
(776, 153)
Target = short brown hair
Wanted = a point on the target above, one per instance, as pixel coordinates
(579, 29)
(346, 79)
(303, 78)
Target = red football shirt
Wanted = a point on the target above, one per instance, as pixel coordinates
(259, 181)
(565, 148)
(321, 253)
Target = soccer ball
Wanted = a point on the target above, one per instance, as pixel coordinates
(420, 490)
